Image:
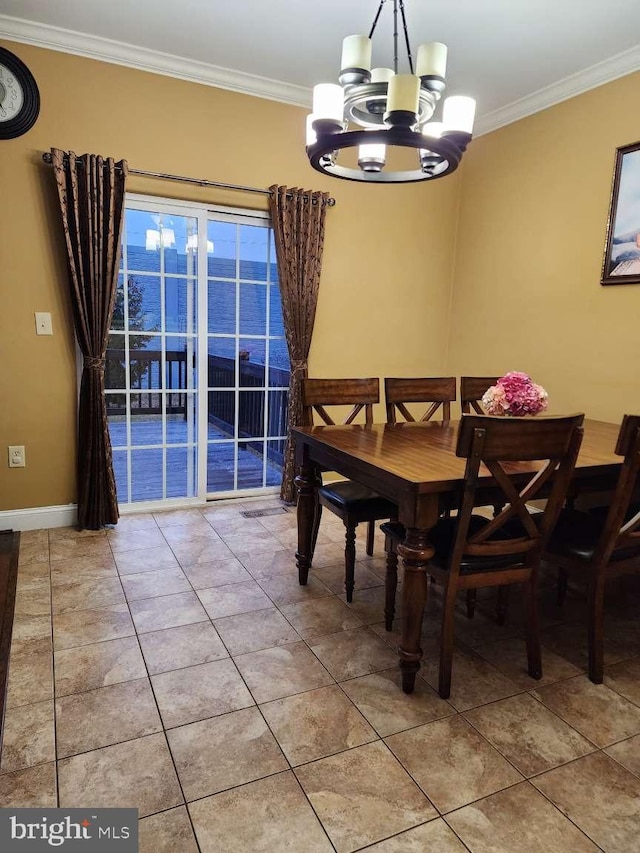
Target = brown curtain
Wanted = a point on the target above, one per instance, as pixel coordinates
(91, 192)
(298, 218)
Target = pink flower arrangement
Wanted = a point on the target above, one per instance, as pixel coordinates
(515, 394)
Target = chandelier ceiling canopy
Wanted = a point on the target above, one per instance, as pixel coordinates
(375, 109)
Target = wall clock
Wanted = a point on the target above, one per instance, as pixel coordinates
(19, 96)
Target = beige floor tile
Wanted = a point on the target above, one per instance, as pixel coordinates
(218, 573)
(223, 752)
(247, 542)
(168, 611)
(136, 774)
(179, 517)
(352, 653)
(146, 560)
(119, 712)
(198, 692)
(518, 819)
(186, 645)
(570, 642)
(362, 796)
(83, 569)
(597, 712)
(68, 549)
(82, 627)
(282, 671)
(432, 837)
(28, 737)
(198, 551)
(233, 599)
(33, 787)
(270, 562)
(624, 678)
(135, 540)
(452, 763)
(271, 815)
(627, 753)
(510, 658)
(473, 680)
(249, 632)
(33, 602)
(32, 553)
(333, 577)
(98, 665)
(30, 628)
(85, 594)
(167, 832)
(330, 554)
(56, 534)
(181, 533)
(136, 521)
(155, 584)
(316, 724)
(368, 604)
(528, 734)
(321, 616)
(574, 789)
(30, 677)
(288, 537)
(285, 589)
(380, 698)
(230, 525)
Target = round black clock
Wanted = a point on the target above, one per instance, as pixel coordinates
(19, 96)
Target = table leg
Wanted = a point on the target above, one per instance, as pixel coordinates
(415, 552)
(308, 513)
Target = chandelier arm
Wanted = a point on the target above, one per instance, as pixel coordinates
(406, 36)
(375, 20)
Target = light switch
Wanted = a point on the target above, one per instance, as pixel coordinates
(43, 323)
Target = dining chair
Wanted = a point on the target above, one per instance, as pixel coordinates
(603, 543)
(471, 390)
(471, 551)
(350, 501)
(439, 392)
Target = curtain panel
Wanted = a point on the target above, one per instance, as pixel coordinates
(91, 193)
(298, 219)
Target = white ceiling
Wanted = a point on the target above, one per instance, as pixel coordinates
(500, 51)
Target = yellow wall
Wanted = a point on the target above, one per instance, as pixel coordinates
(385, 288)
(533, 217)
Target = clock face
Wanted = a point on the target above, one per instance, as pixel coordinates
(11, 94)
(19, 96)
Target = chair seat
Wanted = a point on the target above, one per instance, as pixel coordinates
(354, 498)
(442, 538)
(577, 533)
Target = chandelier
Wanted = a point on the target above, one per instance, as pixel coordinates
(376, 109)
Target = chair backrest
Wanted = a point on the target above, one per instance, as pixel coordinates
(620, 534)
(471, 390)
(440, 392)
(358, 393)
(498, 443)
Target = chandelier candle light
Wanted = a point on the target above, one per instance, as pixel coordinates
(374, 109)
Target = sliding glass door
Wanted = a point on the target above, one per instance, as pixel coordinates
(197, 367)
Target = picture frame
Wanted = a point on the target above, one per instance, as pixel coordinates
(621, 263)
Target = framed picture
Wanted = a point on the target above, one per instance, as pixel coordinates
(621, 263)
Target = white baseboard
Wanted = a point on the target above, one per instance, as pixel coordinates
(39, 517)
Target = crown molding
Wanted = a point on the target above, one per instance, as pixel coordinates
(154, 61)
(576, 84)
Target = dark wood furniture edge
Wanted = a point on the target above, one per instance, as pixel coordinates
(9, 547)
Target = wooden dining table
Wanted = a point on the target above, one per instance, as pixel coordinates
(415, 465)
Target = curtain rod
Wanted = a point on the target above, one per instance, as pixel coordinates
(201, 182)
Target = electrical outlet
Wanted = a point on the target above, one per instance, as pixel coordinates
(16, 456)
(43, 323)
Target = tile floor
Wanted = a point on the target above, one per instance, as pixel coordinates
(175, 665)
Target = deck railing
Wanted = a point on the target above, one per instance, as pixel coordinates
(146, 399)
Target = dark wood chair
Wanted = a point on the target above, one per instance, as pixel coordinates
(471, 390)
(471, 551)
(350, 501)
(602, 544)
(439, 392)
